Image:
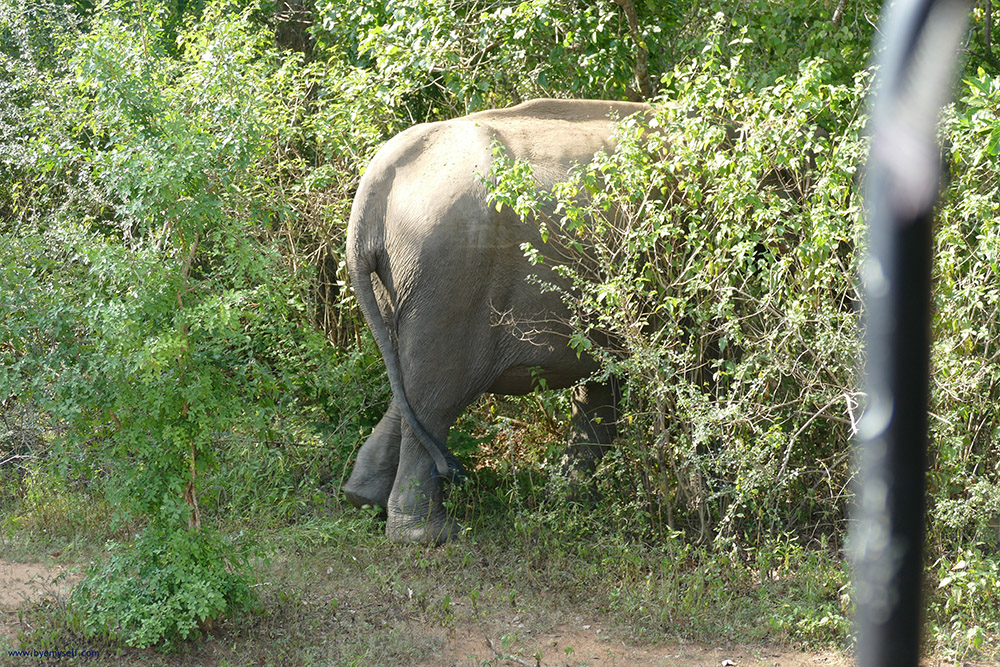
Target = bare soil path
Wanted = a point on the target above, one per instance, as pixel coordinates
(582, 642)
(585, 644)
(22, 584)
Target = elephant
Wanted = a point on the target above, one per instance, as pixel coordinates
(441, 278)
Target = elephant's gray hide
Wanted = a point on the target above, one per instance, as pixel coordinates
(452, 309)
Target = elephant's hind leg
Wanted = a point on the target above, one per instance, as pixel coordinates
(416, 511)
(593, 428)
(375, 469)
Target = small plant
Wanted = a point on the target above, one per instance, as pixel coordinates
(965, 605)
(164, 586)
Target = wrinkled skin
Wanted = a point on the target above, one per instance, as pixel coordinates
(442, 281)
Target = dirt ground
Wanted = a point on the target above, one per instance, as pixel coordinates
(22, 584)
(580, 642)
(583, 642)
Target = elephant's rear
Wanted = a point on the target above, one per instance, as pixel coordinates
(442, 280)
(455, 275)
(377, 249)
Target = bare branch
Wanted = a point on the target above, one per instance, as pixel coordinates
(16, 457)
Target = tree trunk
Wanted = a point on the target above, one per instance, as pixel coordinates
(641, 68)
(838, 13)
(293, 18)
(988, 28)
(190, 496)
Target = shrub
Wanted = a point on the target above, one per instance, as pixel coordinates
(720, 246)
(165, 585)
(144, 304)
(966, 390)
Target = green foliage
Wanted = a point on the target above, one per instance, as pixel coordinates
(765, 39)
(717, 252)
(155, 365)
(150, 311)
(440, 58)
(965, 463)
(965, 604)
(187, 580)
(981, 40)
(288, 472)
(965, 466)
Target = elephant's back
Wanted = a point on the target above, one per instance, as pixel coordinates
(553, 135)
(446, 159)
(425, 195)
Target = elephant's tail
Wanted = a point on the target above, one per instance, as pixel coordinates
(361, 265)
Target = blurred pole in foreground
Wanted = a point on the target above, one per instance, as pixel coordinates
(917, 60)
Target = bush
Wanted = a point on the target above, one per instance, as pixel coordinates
(432, 59)
(145, 304)
(965, 463)
(963, 608)
(722, 243)
(186, 580)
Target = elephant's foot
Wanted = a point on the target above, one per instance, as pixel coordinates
(580, 460)
(375, 469)
(359, 496)
(372, 478)
(435, 529)
(368, 487)
(579, 464)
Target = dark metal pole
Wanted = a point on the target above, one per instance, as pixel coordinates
(914, 80)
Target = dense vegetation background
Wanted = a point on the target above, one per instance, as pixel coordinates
(183, 373)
